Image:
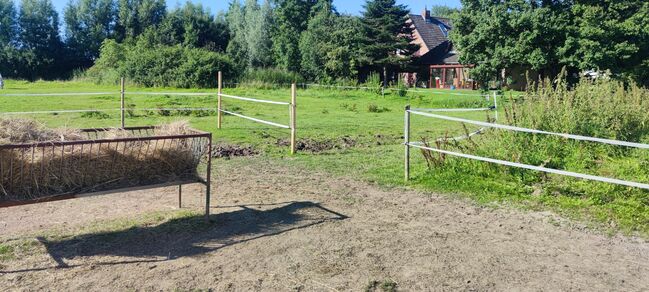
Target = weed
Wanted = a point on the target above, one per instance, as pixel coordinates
(350, 107)
(95, 115)
(373, 108)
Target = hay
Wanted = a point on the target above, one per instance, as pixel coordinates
(31, 173)
(14, 131)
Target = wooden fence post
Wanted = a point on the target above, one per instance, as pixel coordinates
(218, 107)
(293, 116)
(122, 102)
(406, 137)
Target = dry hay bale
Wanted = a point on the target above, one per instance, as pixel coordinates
(30, 174)
(15, 130)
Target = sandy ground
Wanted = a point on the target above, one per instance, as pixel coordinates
(281, 228)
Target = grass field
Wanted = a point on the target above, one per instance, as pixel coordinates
(350, 132)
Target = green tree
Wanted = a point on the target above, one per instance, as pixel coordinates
(443, 11)
(39, 34)
(8, 27)
(387, 40)
(259, 21)
(329, 45)
(524, 34)
(610, 35)
(238, 46)
(291, 17)
(87, 24)
(135, 16)
(191, 25)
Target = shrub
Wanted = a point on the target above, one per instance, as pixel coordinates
(603, 109)
(373, 83)
(158, 66)
(269, 78)
(373, 108)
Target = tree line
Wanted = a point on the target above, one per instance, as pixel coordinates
(146, 41)
(543, 36)
(308, 37)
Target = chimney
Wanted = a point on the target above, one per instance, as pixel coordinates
(426, 13)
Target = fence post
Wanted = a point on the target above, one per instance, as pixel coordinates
(496, 106)
(406, 138)
(121, 93)
(293, 116)
(218, 107)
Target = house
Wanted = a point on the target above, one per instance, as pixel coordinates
(437, 64)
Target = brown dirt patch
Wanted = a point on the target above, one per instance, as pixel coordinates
(224, 150)
(285, 228)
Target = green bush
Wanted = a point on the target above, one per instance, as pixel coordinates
(158, 66)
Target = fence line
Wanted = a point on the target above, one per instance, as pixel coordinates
(534, 131)
(292, 110)
(257, 120)
(57, 94)
(420, 145)
(254, 99)
(111, 109)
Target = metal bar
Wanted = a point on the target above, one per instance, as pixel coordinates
(4, 204)
(208, 180)
(538, 168)
(406, 137)
(180, 196)
(80, 142)
(59, 111)
(122, 102)
(533, 131)
(254, 99)
(257, 120)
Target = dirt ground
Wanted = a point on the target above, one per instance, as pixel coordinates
(284, 228)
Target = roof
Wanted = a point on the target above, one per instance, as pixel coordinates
(433, 31)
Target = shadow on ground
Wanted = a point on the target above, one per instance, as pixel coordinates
(188, 236)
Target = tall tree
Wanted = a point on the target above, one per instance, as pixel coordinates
(291, 20)
(87, 24)
(514, 34)
(443, 11)
(7, 22)
(39, 34)
(610, 35)
(329, 45)
(135, 16)
(387, 39)
(259, 21)
(238, 46)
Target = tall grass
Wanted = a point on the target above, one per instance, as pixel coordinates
(603, 109)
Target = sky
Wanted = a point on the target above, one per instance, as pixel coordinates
(343, 6)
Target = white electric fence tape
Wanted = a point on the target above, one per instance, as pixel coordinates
(171, 93)
(257, 120)
(537, 168)
(254, 99)
(60, 94)
(533, 131)
(106, 110)
(452, 109)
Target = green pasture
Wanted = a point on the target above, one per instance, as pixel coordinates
(361, 132)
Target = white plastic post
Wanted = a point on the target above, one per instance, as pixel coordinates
(406, 138)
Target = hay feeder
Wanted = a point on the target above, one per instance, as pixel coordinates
(104, 163)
